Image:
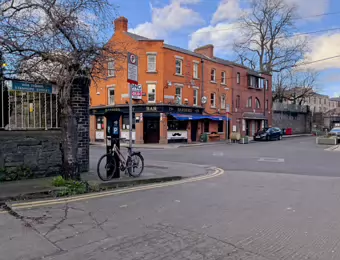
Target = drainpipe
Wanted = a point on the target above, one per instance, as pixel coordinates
(202, 84)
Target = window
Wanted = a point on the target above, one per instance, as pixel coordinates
(178, 95)
(126, 122)
(249, 102)
(266, 84)
(257, 103)
(195, 97)
(152, 62)
(195, 72)
(223, 102)
(320, 101)
(213, 75)
(111, 68)
(100, 123)
(238, 78)
(223, 76)
(238, 100)
(110, 96)
(324, 101)
(206, 126)
(212, 100)
(179, 65)
(314, 100)
(220, 126)
(266, 104)
(151, 93)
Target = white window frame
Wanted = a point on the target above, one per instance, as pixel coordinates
(108, 95)
(195, 70)
(251, 102)
(150, 68)
(195, 97)
(150, 86)
(238, 78)
(111, 72)
(181, 66)
(257, 103)
(180, 95)
(224, 78)
(213, 100)
(223, 101)
(213, 75)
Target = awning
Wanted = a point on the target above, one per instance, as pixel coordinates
(249, 115)
(184, 117)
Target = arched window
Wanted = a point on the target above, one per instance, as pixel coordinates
(249, 102)
(257, 103)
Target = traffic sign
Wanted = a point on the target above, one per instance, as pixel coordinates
(132, 68)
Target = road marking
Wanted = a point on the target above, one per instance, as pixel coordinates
(218, 154)
(3, 212)
(26, 205)
(271, 160)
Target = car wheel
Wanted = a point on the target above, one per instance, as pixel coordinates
(280, 137)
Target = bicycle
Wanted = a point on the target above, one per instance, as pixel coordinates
(127, 165)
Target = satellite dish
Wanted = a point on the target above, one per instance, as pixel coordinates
(204, 100)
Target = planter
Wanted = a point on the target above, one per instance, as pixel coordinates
(244, 140)
(326, 140)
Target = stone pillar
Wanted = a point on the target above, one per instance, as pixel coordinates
(93, 124)
(189, 132)
(80, 99)
(139, 129)
(163, 129)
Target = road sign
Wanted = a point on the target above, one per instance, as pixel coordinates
(136, 91)
(132, 68)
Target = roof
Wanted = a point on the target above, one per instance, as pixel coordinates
(175, 48)
(335, 99)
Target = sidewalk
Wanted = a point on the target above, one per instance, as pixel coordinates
(180, 145)
(154, 171)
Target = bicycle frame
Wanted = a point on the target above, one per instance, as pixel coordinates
(120, 155)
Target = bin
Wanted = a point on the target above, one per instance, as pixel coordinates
(289, 131)
(244, 140)
(204, 138)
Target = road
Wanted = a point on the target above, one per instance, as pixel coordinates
(276, 200)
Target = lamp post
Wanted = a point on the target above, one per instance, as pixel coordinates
(227, 111)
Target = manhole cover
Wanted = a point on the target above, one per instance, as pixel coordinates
(271, 160)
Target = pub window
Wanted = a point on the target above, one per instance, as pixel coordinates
(126, 122)
(100, 123)
(174, 124)
(178, 95)
(151, 93)
(195, 97)
(220, 126)
(206, 126)
(111, 96)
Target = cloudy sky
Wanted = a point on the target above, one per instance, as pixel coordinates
(192, 23)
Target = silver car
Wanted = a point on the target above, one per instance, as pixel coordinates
(335, 132)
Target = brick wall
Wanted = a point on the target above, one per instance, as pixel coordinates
(37, 150)
(80, 105)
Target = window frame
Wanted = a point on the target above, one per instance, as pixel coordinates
(108, 95)
(195, 70)
(223, 98)
(238, 101)
(213, 75)
(213, 98)
(251, 102)
(181, 94)
(111, 72)
(181, 66)
(223, 78)
(155, 88)
(257, 103)
(238, 78)
(195, 96)
(153, 55)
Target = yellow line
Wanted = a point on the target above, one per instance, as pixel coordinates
(26, 205)
(3, 212)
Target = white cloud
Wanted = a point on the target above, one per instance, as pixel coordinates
(227, 10)
(310, 8)
(170, 18)
(322, 47)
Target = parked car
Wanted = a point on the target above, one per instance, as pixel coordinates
(335, 132)
(271, 133)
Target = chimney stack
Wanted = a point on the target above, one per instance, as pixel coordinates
(206, 50)
(121, 24)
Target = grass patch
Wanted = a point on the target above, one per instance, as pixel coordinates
(69, 187)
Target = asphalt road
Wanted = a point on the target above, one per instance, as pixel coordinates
(275, 201)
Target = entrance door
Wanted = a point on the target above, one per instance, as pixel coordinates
(194, 125)
(151, 129)
(247, 127)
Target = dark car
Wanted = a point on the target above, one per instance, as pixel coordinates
(271, 133)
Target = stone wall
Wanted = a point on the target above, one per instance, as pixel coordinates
(37, 150)
(299, 122)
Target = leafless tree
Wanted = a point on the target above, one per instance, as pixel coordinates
(268, 39)
(59, 41)
(294, 86)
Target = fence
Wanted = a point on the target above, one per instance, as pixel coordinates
(28, 106)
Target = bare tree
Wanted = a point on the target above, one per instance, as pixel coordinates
(294, 86)
(268, 41)
(58, 41)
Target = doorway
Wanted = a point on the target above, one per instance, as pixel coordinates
(194, 126)
(151, 130)
(247, 127)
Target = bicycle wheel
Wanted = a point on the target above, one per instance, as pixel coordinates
(106, 167)
(135, 164)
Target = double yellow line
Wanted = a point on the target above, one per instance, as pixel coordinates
(43, 203)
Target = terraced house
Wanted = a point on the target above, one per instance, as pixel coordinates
(184, 93)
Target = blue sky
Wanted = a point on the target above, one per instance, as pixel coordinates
(192, 23)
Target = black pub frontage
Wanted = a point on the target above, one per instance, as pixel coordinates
(154, 123)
